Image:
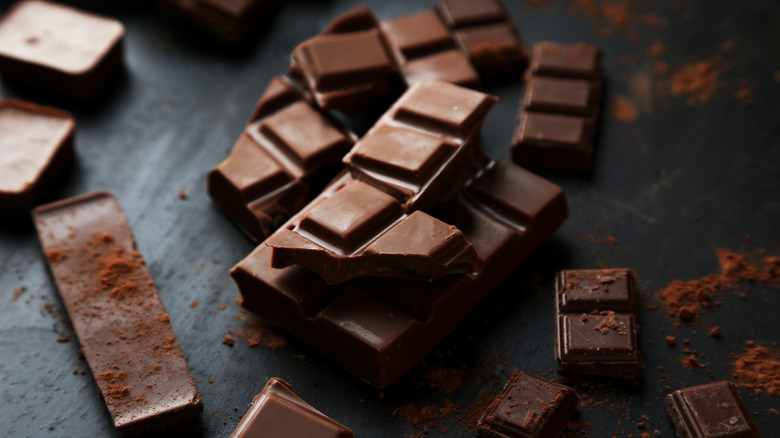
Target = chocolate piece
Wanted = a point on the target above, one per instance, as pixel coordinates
(554, 141)
(574, 97)
(117, 314)
(59, 48)
(229, 21)
(35, 145)
(278, 413)
(287, 147)
(575, 61)
(347, 67)
(378, 328)
(528, 407)
(712, 410)
(450, 66)
(596, 329)
(464, 13)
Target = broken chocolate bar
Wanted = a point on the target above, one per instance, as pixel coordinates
(59, 48)
(378, 328)
(278, 413)
(286, 148)
(117, 314)
(712, 410)
(228, 21)
(528, 407)
(36, 143)
(596, 329)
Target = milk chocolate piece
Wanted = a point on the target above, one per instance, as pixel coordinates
(528, 407)
(229, 21)
(117, 314)
(284, 151)
(596, 329)
(36, 143)
(575, 61)
(59, 48)
(278, 413)
(575, 97)
(712, 410)
(465, 13)
(450, 66)
(378, 328)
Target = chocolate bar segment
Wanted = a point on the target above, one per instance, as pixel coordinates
(287, 147)
(712, 410)
(58, 48)
(576, 97)
(378, 328)
(465, 13)
(117, 314)
(36, 143)
(449, 66)
(554, 141)
(229, 21)
(528, 407)
(575, 61)
(278, 413)
(583, 290)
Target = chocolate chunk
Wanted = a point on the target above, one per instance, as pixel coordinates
(712, 410)
(278, 413)
(284, 151)
(229, 21)
(117, 314)
(378, 328)
(59, 48)
(554, 141)
(450, 66)
(576, 61)
(574, 97)
(528, 407)
(36, 143)
(464, 13)
(584, 290)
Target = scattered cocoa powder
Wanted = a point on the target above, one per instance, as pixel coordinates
(671, 341)
(55, 255)
(715, 332)
(182, 194)
(690, 361)
(17, 293)
(758, 368)
(624, 110)
(228, 340)
(697, 81)
(194, 304)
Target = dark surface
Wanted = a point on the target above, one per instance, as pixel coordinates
(679, 182)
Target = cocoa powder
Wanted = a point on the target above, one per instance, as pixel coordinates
(758, 368)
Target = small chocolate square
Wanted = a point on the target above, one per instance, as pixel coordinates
(417, 34)
(583, 290)
(712, 410)
(461, 13)
(577, 61)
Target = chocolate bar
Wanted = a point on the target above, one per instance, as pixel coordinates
(484, 31)
(557, 121)
(378, 328)
(59, 48)
(278, 413)
(712, 410)
(117, 314)
(229, 21)
(36, 143)
(425, 49)
(286, 148)
(347, 66)
(528, 407)
(596, 328)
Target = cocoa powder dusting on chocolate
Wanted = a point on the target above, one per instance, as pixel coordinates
(758, 368)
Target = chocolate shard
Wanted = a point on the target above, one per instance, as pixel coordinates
(528, 407)
(117, 314)
(58, 48)
(287, 148)
(712, 410)
(228, 21)
(36, 143)
(377, 328)
(278, 413)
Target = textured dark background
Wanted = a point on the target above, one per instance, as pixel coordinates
(670, 188)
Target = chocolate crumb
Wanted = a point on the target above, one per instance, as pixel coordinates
(715, 332)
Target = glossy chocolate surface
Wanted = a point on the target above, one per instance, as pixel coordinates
(574, 61)
(528, 407)
(418, 34)
(117, 314)
(462, 13)
(582, 290)
(58, 48)
(36, 143)
(228, 21)
(554, 141)
(712, 410)
(576, 97)
(278, 413)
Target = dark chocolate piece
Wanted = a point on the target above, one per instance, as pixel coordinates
(575, 97)
(596, 329)
(553, 141)
(278, 413)
(36, 143)
(575, 61)
(117, 314)
(378, 328)
(712, 410)
(229, 21)
(465, 13)
(528, 407)
(285, 149)
(59, 48)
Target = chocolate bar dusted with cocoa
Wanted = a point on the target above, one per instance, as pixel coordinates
(117, 314)
(229, 21)
(287, 147)
(712, 410)
(278, 413)
(59, 48)
(596, 329)
(36, 143)
(557, 121)
(378, 328)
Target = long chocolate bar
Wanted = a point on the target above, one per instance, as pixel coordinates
(117, 314)
(59, 48)
(557, 121)
(378, 328)
(596, 328)
(712, 410)
(36, 143)
(228, 21)
(287, 147)
(278, 413)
